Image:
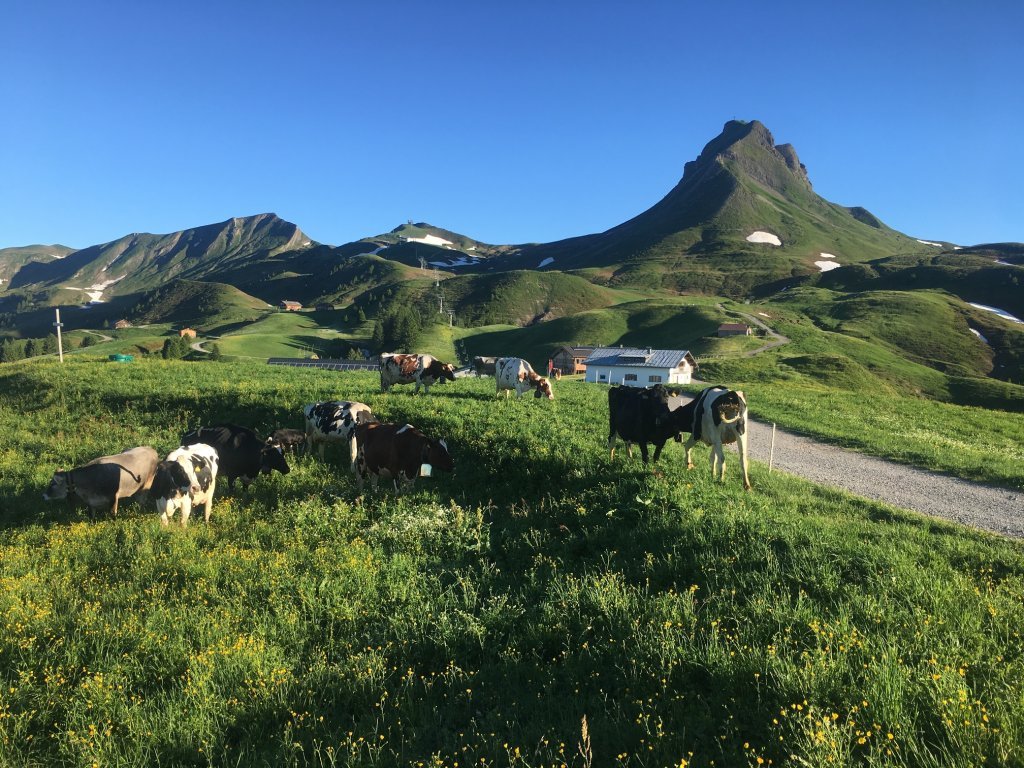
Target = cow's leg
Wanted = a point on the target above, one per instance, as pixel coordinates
(689, 452)
(113, 509)
(643, 451)
(352, 452)
(611, 446)
(209, 501)
(322, 444)
(717, 457)
(186, 511)
(741, 445)
(658, 447)
(165, 512)
(629, 448)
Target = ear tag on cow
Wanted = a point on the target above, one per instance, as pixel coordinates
(426, 470)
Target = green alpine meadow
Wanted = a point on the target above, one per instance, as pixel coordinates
(542, 605)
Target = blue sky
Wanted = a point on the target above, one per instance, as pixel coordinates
(510, 123)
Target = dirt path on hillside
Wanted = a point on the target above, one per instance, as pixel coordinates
(777, 339)
(989, 508)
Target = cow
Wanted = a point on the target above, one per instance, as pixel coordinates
(720, 417)
(335, 421)
(515, 374)
(287, 439)
(185, 479)
(413, 369)
(243, 454)
(104, 481)
(399, 452)
(644, 416)
(484, 366)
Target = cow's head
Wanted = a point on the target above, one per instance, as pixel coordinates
(58, 487)
(435, 453)
(543, 388)
(171, 481)
(441, 371)
(271, 458)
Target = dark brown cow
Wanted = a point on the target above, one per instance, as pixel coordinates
(398, 452)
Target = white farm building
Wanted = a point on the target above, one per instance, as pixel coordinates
(640, 367)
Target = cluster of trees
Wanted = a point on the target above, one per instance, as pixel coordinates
(398, 330)
(19, 349)
(176, 347)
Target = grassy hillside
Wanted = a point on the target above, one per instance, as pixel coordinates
(689, 323)
(479, 619)
(202, 305)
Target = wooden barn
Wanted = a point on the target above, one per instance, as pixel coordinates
(734, 329)
(289, 306)
(570, 360)
(187, 333)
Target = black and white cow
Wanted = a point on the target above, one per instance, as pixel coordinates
(287, 439)
(185, 479)
(513, 374)
(415, 369)
(334, 421)
(243, 453)
(644, 416)
(102, 482)
(720, 417)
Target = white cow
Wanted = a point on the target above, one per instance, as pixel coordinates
(720, 417)
(186, 478)
(515, 374)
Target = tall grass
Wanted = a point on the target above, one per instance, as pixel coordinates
(479, 619)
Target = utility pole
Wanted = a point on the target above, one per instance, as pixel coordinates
(451, 317)
(60, 343)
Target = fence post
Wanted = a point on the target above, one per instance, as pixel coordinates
(771, 453)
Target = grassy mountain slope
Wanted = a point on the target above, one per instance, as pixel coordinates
(13, 259)
(143, 261)
(202, 305)
(741, 183)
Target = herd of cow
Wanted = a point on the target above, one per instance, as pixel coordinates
(399, 452)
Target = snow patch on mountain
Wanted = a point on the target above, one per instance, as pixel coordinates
(763, 237)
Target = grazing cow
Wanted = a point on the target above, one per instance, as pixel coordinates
(186, 478)
(335, 421)
(413, 369)
(243, 453)
(102, 482)
(643, 416)
(720, 417)
(515, 374)
(288, 440)
(398, 452)
(484, 366)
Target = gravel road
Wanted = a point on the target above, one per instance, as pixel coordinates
(989, 508)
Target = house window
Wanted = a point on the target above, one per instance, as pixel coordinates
(602, 377)
(654, 379)
(629, 377)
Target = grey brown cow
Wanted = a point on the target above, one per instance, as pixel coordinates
(104, 481)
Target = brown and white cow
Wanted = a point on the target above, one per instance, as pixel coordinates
(398, 452)
(334, 421)
(513, 374)
(720, 417)
(104, 481)
(413, 369)
(185, 479)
